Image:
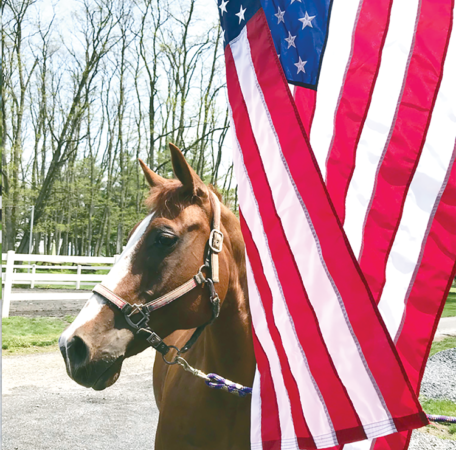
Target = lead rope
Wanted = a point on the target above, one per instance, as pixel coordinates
(213, 380)
(436, 418)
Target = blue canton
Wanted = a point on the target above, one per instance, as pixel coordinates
(299, 29)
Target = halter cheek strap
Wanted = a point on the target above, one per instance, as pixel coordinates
(215, 238)
(137, 316)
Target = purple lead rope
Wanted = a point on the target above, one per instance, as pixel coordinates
(437, 418)
(215, 381)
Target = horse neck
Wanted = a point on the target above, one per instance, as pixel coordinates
(228, 341)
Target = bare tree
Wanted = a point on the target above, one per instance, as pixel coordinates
(128, 77)
(98, 39)
(18, 80)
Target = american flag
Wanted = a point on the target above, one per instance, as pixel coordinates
(343, 116)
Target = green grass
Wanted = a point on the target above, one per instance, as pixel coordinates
(443, 408)
(23, 334)
(440, 407)
(445, 344)
(450, 305)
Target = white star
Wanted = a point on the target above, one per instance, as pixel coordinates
(292, 1)
(240, 14)
(223, 7)
(300, 65)
(307, 21)
(290, 39)
(279, 16)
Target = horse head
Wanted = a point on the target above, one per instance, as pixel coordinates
(164, 251)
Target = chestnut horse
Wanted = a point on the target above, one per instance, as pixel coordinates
(164, 251)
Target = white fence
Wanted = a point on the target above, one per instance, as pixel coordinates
(15, 274)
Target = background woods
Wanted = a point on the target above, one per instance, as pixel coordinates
(90, 86)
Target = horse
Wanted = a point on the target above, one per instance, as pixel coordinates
(164, 252)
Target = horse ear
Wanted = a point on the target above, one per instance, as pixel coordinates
(152, 178)
(183, 171)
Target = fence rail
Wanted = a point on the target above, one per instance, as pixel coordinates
(36, 274)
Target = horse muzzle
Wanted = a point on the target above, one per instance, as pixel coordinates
(89, 368)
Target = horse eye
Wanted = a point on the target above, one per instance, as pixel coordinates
(165, 240)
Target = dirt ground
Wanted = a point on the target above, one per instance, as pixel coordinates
(46, 308)
(43, 409)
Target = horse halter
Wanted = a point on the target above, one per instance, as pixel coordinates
(137, 316)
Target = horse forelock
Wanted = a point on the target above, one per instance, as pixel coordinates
(170, 199)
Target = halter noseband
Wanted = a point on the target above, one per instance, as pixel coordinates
(137, 316)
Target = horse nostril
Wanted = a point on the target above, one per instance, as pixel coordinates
(62, 350)
(78, 351)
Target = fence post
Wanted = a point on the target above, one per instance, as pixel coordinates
(78, 279)
(8, 283)
(32, 283)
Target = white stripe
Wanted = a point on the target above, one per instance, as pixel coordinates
(424, 189)
(314, 410)
(261, 329)
(123, 264)
(337, 54)
(360, 445)
(385, 98)
(255, 414)
(336, 331)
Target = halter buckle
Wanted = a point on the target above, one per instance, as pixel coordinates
(216, 241)
(136, 309)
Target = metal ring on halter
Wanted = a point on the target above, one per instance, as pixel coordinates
(174, 361)
(201, 273)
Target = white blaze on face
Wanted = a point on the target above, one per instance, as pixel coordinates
(121, 268)
(89, 312)
(123, 264)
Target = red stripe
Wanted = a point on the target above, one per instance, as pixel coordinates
(394, 441)
(266, 298)
(305, 100)
(270, 426)
(334, 393)
(425, 303)
(355, 98)
(423, 312)
(375, 343)
(407, 140)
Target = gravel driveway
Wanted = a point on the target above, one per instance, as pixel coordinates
(439, 382)
(43, 409)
